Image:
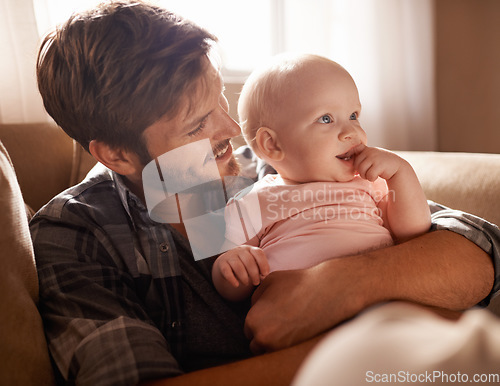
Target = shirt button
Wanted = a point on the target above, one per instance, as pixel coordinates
(176, 324)
(164, 247)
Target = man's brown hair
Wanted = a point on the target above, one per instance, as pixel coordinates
(112, 71)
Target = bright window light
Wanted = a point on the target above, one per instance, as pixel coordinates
(244, 28)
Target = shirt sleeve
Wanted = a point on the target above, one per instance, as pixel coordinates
(97, 327)
(481, 232)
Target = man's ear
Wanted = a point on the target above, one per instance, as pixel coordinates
(268, 144)
(121, 161)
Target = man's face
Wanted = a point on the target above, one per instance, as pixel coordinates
(204, 115)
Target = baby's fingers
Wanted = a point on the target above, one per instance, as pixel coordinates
(370, 172)
(359, 159)
(362, 165)
(250, 262)
(261, 260)
(234, 271)
(367, 165)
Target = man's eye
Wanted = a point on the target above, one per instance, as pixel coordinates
(199, 128)
(353, 116)
(325, 119)
(195, 131)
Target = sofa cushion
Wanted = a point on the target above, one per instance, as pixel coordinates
(24, 358)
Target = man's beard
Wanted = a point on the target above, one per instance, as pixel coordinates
(233, 168)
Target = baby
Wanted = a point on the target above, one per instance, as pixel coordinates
(333, 195)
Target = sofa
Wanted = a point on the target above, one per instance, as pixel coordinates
(46, 162)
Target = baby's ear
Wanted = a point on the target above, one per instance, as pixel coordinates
(267, 142)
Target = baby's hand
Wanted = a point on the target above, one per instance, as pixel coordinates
(374, 162)
(244, 264)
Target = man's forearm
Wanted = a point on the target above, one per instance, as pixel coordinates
(439, 269)
(277, 368)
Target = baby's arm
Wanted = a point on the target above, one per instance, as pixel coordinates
(405, 210)
(235, 273)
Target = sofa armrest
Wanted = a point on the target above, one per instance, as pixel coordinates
(24, 358)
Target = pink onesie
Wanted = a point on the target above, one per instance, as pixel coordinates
(299, 226)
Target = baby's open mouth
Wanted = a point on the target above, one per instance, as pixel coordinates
(351, 153)
(346, 156)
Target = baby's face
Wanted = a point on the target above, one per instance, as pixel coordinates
(318, 125)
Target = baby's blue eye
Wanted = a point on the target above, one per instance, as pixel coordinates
(353, 116)
(325, 119)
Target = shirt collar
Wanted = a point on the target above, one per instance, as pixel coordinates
(128, 199)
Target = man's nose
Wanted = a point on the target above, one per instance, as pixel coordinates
(226, 127)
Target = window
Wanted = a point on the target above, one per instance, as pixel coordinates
(251, 31)
(244, 29)
(248, 32)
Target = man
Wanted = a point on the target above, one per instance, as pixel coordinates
(122, 298)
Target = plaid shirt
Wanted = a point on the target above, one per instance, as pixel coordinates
(481, 232)
(116, 287)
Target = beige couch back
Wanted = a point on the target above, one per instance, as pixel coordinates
(45, 159)
(465, 181)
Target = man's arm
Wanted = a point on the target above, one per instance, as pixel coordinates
(440, 269)
(312, 311)
(276, 368)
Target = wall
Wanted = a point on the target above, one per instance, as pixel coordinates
(468, 75)
(232, 94)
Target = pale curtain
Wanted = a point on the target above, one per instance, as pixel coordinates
(19, 39)
(387, 45)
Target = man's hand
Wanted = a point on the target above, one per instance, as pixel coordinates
(290, 306)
